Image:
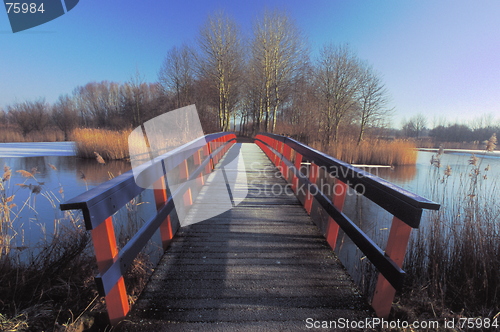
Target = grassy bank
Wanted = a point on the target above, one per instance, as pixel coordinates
(432, 144)
(49, 285)
(9, 134)
(453, 259)
(372, 152)
(108, 144)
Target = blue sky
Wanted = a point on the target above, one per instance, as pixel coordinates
(438, 58)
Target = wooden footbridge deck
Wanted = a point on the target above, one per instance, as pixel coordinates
(263, 265)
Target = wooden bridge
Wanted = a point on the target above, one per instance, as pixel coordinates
(264, 264)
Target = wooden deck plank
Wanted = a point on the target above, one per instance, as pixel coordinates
(261, 266)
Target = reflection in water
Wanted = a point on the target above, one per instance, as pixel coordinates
(94, 173)
(399, 174)
(56, 178)
(422, 179)
(375, 222)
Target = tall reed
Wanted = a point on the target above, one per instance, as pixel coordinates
(109, 144)
(454, 258)
(48, 285)
(10, 134)
(41, 281)
(373, 152)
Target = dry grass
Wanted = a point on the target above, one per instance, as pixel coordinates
(48, 281)
(108, 144)
(50, 286)
(13, 324)
(454, 257)
(9, 134)
(374, 152)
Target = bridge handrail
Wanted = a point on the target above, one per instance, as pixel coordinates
(100, 203)
(110, 196)
(405, 206)
(380, 189)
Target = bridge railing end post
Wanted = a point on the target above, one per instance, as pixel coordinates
(396, 250)
(106, 253)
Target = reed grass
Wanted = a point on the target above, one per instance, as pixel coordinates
(373, 152)
(106, 144)
(453, 259)
(43, 282)
(10, 134)
(49, 286)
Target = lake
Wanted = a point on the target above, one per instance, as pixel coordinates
(57, 176)
(61, 176)
(428, 181)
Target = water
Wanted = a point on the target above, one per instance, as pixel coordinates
(417, 178)
(427, 181)
(37, 214)
(57, 174)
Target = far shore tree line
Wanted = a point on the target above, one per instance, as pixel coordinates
(265, 82)
(475, 131)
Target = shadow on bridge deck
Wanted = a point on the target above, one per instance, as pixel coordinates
(261, 266)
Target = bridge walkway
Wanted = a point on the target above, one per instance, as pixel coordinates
(261, 266)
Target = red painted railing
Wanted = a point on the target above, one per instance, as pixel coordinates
(99, 204)
(406, 207)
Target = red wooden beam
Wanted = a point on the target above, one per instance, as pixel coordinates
(313, 176)
(338, 199)
(160, 194)
(396, 250)
(106, 252)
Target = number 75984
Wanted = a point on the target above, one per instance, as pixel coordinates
(24, 8)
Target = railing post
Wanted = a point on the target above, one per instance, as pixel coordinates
(275, 155)
(207, 151)
(279, 148)
(216, 156)
(200, 180)
(286, 155)
(313, 176)
(184, 175)
(228, 145)
(297, 165)
(106, 252)
(338, 199)
(160, 194)
(396, 250)
(213, 147)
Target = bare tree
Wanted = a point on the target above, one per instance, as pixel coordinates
(3, 117)
(414, 126)
(137, 100)
(300, 114)
(97, 102)
(207, 104)
(338, 82)
(221, 61)
(372, 99)
(30, 115)
(277, 52)
(420, 122)
(65, 115)
(177, 74)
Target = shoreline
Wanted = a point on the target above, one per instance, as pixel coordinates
(470, 151)
(36, 149)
